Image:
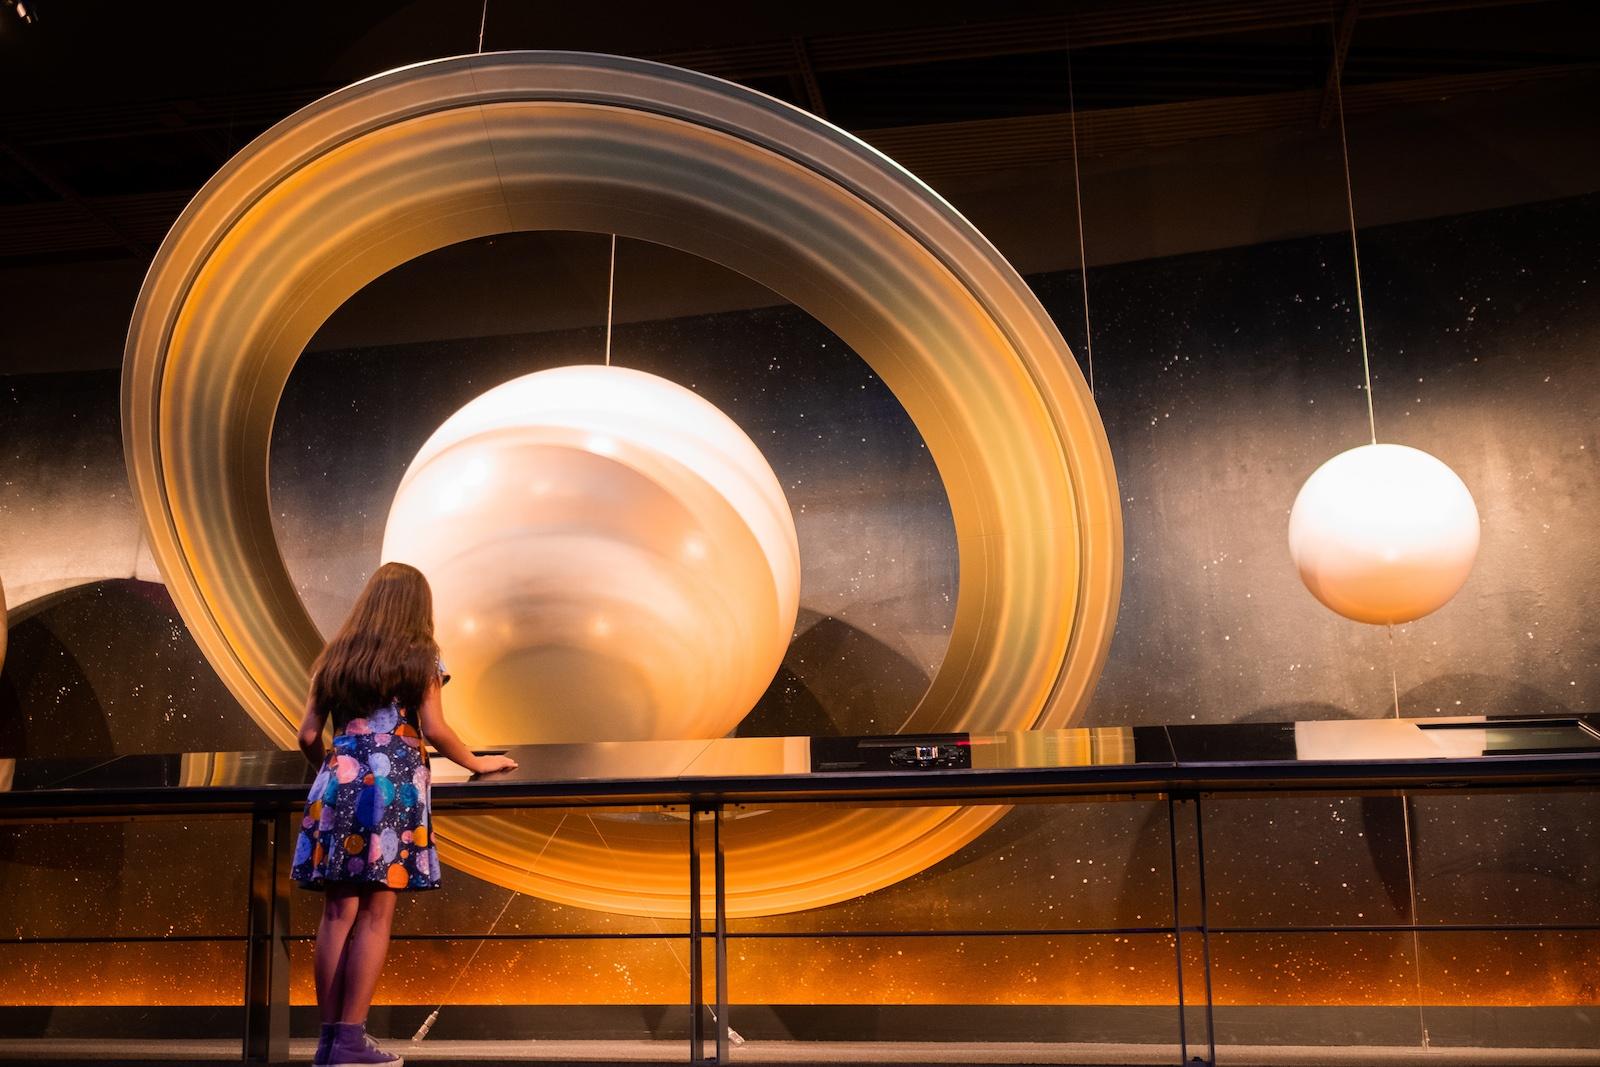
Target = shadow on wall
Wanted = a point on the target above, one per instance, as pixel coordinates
(1489, 858)
(48, 706)
(1490, 695)
(109, 669)
(811, 696)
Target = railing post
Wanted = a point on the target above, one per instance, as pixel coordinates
(1205, 929)
(1177, 928)
(266, 968)
(1191, 926)
(719, 887)
(696, 999)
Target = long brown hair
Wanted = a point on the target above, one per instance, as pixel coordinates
(384, 651)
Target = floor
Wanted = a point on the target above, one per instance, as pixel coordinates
(69, 1052)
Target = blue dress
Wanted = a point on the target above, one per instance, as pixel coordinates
(367, 819)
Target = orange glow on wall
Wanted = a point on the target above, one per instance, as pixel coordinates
(1521, 969)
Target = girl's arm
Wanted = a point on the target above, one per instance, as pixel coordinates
(311, 732)
(438, 733)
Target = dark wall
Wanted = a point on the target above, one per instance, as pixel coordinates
(1224, 379)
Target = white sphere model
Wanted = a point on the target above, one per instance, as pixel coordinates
(611, 558)
(1383, 533)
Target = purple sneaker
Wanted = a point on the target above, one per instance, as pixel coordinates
(351, 1047)
(324, 1045)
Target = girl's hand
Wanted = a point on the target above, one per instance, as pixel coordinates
(490, 764)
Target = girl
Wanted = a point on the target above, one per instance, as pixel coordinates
(366, 834)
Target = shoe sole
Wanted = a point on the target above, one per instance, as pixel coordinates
(396, 1062)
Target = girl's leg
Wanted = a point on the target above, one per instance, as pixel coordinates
(369, 944)
(339, 909)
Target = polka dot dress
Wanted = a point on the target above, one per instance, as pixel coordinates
(367, 820)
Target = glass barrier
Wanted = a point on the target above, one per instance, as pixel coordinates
(1151, 929)
(1050, 933)
(116, 929)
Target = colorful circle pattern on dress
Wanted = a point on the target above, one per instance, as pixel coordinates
(367, 819)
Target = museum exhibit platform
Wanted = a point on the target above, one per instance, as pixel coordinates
(1318, 798)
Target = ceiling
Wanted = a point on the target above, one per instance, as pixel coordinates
(111, 116)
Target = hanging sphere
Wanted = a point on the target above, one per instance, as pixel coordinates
(611, 558)
(1383, 533)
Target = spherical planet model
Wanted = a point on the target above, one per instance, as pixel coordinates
(611, 557)
(1383, 533)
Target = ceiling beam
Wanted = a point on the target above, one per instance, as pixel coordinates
(950, 148)
(933, 151)
(808, 78)
(1344, 29)
(1088, 27)
(1091, 27)
(68, 195)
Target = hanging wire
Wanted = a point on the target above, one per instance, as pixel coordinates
(483, 21)
(433, 1017)
(1394, 674)
(1355, 253)
(1411, 884)
(1077, 200)
(611, 292)
(1372, 425)
(733, 1035)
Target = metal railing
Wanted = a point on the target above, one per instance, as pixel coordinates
(1182, 792)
